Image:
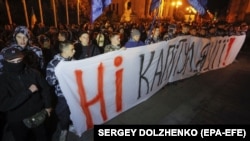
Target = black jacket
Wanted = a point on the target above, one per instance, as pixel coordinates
(15, 97)
(83, 52)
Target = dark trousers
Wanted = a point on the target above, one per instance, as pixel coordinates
(63, 113)
(2, 124)
(21, 133)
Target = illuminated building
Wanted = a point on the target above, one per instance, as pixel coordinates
(239, 10)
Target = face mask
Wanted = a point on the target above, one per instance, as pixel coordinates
(14, 67)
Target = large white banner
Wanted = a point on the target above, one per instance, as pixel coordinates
(99, 88)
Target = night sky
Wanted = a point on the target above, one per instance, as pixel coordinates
(217, 5)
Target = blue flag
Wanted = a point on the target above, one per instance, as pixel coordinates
(200, 7)
(203, 3)
(154, 4)
(97, 8)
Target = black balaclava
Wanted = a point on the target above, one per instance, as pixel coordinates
(14, 67)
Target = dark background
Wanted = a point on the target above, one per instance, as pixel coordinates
(18, 17)
(217, 5)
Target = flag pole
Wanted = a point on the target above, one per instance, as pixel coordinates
(54, 11)
(25, 12)
(78, 12)
(67, 11)
(91, 12)
(41, 10)
(152, 23)
(8, 11)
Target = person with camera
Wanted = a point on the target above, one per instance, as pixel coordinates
(25, 98)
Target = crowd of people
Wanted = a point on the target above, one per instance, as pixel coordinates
(28, 59)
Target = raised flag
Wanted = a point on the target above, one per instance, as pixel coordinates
(154, 4)
(200, 7)
(33, 18)
(97, 7)
(203, 3)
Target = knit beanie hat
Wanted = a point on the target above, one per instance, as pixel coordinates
(135, 32)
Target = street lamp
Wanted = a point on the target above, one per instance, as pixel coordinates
(176, 4)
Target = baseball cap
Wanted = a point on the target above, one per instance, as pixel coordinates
(12, 53)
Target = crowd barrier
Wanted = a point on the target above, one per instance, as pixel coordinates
(98, 89)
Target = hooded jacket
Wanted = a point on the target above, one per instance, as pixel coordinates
(132, 43)
(34, 54)
(16, 99)
(51, 76)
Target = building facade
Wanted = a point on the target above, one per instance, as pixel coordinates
(238, 10)
(140, 9)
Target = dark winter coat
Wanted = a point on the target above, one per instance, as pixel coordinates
(83, 52)
(15, 97)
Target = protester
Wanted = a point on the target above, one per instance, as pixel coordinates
(212, 31)
(246, 31)
(47, 49)
(237, 30)
(193, 31)
(84, 48)
(154, 37)
(202, 32)
(134, 40)
(115, 43)
(33, 54)
(100, 38)
(24, 92)
(184, 30)
(100, 41)
(63, 35)
(123, 36)
(171, 32)
(62, 109)
(52, 33)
